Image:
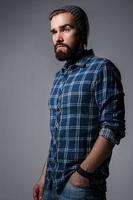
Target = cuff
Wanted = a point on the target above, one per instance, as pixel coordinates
(109, 135)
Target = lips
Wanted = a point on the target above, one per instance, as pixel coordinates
(60, 45)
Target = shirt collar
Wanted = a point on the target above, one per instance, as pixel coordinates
(80, 62)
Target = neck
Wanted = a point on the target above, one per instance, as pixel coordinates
(78, 55)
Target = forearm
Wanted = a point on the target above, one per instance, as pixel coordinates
(44, 169)
(100, 151)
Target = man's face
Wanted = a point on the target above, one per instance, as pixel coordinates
(65, 36)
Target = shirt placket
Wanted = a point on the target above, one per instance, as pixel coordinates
(58, 111)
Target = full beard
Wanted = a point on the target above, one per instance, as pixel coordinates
(70, 54)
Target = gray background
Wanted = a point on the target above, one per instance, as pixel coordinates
(27, 69)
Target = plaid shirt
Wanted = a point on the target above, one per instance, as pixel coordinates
(86, 101)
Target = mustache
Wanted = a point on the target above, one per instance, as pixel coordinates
(62, 44)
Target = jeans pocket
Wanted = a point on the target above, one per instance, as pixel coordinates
(74, 192)
(86, 187)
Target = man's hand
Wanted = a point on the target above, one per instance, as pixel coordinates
(77, 180)
(38, 188)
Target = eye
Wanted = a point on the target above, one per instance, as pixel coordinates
(67, 29)
(53, 32)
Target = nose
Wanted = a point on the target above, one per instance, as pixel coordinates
(59, 37)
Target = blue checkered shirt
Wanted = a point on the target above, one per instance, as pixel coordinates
(86, 100)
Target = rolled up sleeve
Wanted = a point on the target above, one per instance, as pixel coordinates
(109, 96)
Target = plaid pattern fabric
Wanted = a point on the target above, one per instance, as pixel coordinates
(86, 100)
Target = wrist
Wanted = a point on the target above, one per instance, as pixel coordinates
(87, 167)
(84, 173)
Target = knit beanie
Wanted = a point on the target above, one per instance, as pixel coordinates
(80, 18)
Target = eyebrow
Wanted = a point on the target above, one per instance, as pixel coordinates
(62, 27)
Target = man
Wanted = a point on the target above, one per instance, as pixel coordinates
(86, 111)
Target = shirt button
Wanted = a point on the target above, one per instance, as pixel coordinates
(56, 124)
(58, 109)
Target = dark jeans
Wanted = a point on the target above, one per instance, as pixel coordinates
(72, 192)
